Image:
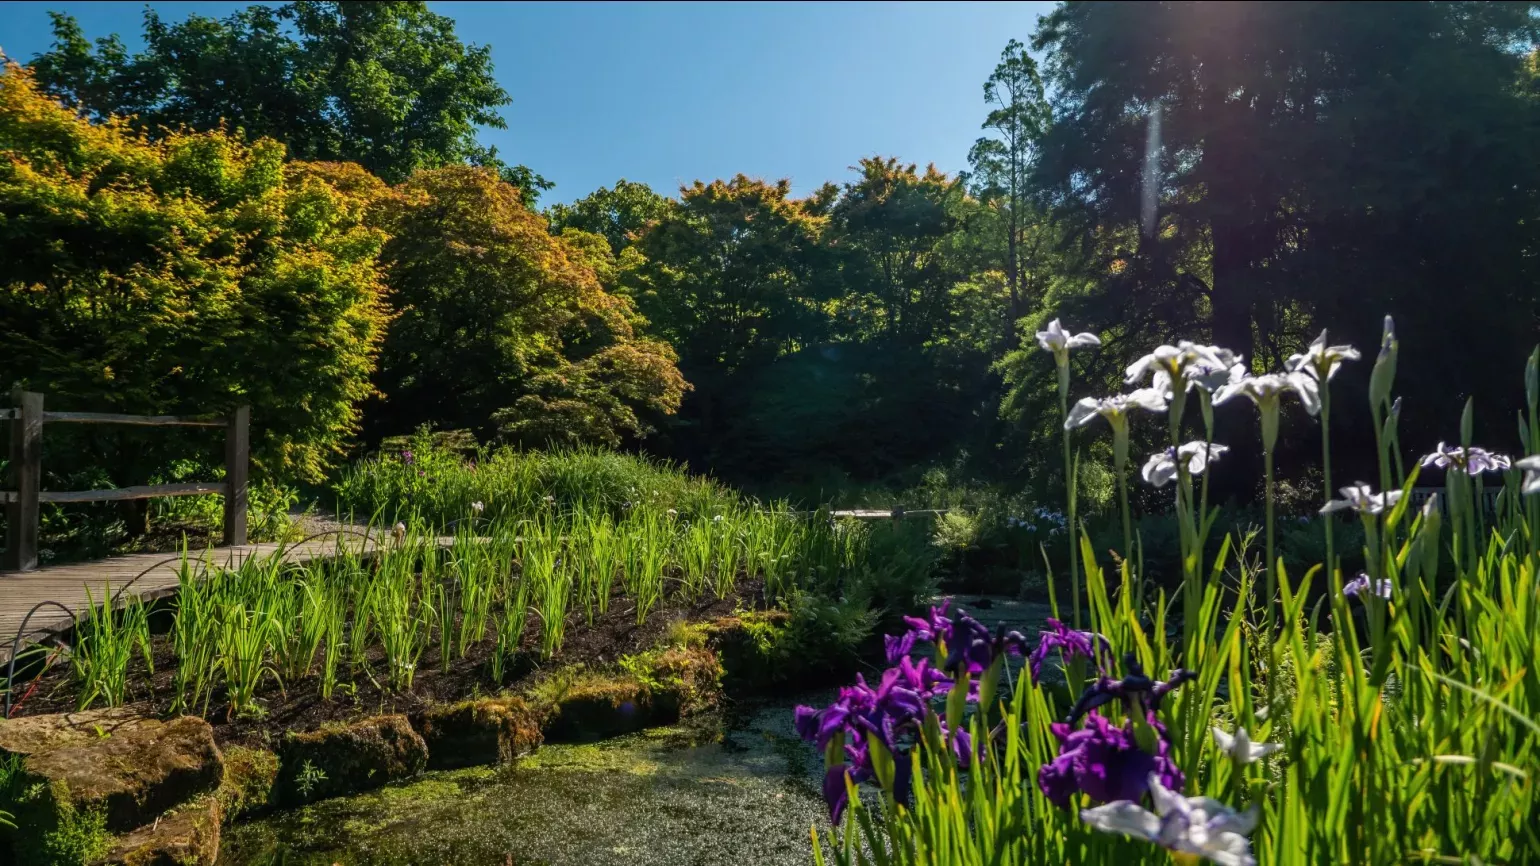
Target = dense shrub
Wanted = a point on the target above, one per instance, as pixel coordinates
(185, 275)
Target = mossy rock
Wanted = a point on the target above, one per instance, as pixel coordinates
(683, 680)
(126, 769)
(747, 646)
(595, 707)
(247, 787)
(187, 837)
(478, 732)
(344, 759)
(31, 735)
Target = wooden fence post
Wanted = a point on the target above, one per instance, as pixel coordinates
(237, 460)
(21, 519)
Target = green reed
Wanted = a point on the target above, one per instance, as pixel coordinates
(105, 643)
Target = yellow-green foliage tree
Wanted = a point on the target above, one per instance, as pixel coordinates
(507, 328)
(185, 274)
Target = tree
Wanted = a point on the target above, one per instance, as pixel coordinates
(728, 276)
(505, 328)
(387, 85)
(886, 231)
(620, 215)
(1002, 164)
(1320, 164)
(184, 275)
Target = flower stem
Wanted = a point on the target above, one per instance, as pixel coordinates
(1128, 534)
(1331, 559)
(1270, 619)
(1069, 495)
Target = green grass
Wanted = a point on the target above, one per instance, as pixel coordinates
(1409, 726)
(553, 559)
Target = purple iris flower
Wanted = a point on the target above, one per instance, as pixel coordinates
(834, 792)
(973, 648)
(1070, 644)
(1105, 761)
(406, 457)
(898, 646)
(892, 713)
(932, 626)
(1362, 584)
(1136, 689)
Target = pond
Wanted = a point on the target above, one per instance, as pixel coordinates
(733, 790)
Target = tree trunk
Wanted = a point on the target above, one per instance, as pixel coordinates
(1230, 300)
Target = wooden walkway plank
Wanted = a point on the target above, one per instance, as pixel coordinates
(75, 585)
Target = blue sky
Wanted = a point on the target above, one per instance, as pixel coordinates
(666, 93)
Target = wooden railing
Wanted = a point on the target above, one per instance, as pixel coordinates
(23, 496)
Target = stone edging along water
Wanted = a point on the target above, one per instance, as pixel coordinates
(116, 787)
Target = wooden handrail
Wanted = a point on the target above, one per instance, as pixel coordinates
(142, 420)
(118, 494)
(22, 501)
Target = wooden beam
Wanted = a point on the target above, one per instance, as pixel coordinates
(21, 518)
(144, 491)
(7, 414)
(141, 420)
(237, 464)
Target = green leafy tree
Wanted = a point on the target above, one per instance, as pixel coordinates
(886, 231)
(387, 85)
(506, 328)
(1003, 162)
(184, 275)
(1319, 164)
(730, 278)
(619, 215)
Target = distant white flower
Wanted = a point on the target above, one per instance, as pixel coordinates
(1115, 408)
(1361, 498)
(1531, 467)
(399, 532)
(1321, 361)
(1174, 361)
(1188, 825)
(1240, 748)
(549, 499)
(478, 507)
(1267, 390)
(1361, 584)
(672, 512)
(1162, 465)
(1473, 461)
(1059, 341)
(1212, 373)
(717, 519)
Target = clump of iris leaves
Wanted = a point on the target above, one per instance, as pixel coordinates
(1386, 716)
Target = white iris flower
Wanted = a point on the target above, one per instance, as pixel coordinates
(1473, 461)
(1531, 467)
(1267, 390)
(1059, 341)
(1162, 465)
(1361, 498)
(1198, 826)
(1174, 361)
(1321, 361)
(1240, 747)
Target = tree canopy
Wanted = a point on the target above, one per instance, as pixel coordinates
(185, 275)
(386, 85)
(504, 326)
(1242, 174)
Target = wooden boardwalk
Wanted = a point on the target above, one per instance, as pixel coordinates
(157, 574)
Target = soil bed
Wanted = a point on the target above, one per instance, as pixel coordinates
(299, 705)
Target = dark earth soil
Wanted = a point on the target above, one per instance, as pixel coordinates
(300, 707)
